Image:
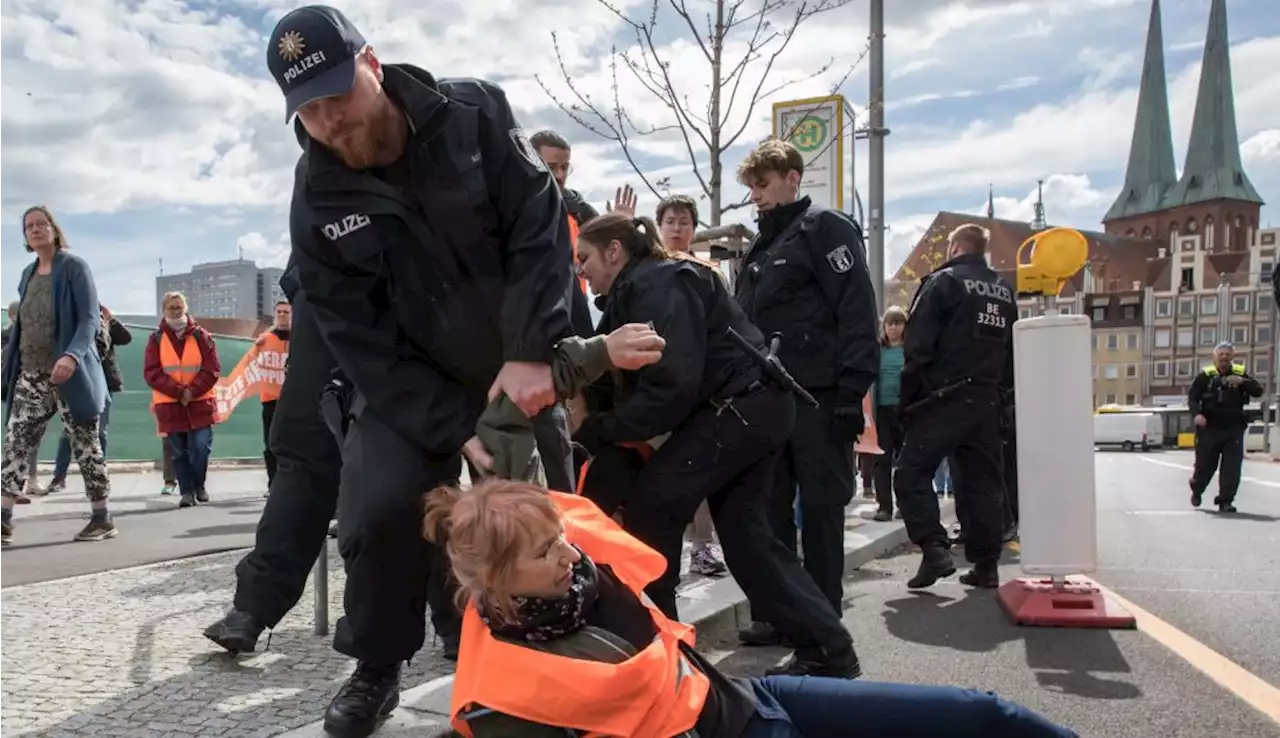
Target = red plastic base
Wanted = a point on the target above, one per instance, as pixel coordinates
(1077, 605)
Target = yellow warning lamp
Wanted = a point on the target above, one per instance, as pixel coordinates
(1056, 256)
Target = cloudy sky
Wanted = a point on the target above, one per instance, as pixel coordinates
(153, 130)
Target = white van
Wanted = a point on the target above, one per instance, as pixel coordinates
(1128, 431)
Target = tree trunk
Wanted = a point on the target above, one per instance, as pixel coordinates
(717, 56)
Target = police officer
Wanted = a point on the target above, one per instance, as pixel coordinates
(805, 276)
(431, 245)
(958, 364)
(727, 427)
(1216, 399)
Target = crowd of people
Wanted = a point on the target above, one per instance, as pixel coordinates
(438, 317)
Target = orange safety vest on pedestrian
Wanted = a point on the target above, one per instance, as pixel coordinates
(657, 693)
(183, 369)
(273, 354)
(573, 239)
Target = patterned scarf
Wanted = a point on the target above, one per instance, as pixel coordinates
(544, 619)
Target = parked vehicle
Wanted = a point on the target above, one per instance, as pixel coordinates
(1128, 431)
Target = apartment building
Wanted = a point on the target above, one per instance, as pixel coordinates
(238, 288)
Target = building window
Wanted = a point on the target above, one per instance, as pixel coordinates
(1208, 306)
(1208, 335)
(1263, 303)
(1185, 338)
(1264, 275)
(1024, 313)
(1161, 369)
(1163, 336)
(1112, 372)
(1184, 367)
(1131, 341)
(1239, 334)
(1240, 304)
(1188, 281)
(1262, 365)
(1099, 314)
(1111, 398)
(1263, 336)
(1130, 370)
(1130, 399)
(1064, 310)
(1129, 312)
(1113, 342)
(1187, 307)
(1164, 307)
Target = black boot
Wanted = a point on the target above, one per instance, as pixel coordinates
(935, 563)
(365, 700)
(449, 645)
(1196, 497)
(840, 663)
(759, 634)
(237, 632)
(984, 575)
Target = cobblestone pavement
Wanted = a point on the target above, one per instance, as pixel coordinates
(121, 654)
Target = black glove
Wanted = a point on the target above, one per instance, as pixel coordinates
(848, 422)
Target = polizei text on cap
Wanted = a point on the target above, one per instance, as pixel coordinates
(309, 61)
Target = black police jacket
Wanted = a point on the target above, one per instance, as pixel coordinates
(689, 306)
(1221, 404)
(580, 210)
(959, 330)
(422, 292)
(808, 280)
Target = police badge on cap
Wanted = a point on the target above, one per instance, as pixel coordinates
(312, 54)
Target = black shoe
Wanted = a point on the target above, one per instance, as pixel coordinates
(760, 634)
(1196, 497)
(188, 500)
(237, 632)
(449, 646)
(882, 516)
(984, 575)
(202, 496)
(936, 563)
(841, 664)
(364, 701)
(1226, 507)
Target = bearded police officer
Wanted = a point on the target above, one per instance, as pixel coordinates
(431, 244)
(958, 369)
(1216, 400)
(805, 276)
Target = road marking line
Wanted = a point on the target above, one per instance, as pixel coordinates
(1255, 480)
(1257, 692)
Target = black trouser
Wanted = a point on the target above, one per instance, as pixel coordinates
(1218, 450)
(1010, 438)
(819, 464)
(966, 428)
(728, 457)
(889, 433)
(393, 573)
(304, 491)
(268, 413)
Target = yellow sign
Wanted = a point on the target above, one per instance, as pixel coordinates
(815, 126)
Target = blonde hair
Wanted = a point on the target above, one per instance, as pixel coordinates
(174, 295)
(59, 237)
(485, 531)
(894, 315)
(774, 155)
(972, 237)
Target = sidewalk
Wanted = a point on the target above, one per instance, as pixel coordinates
(121, 653)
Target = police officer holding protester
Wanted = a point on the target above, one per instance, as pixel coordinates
(727, 422)
(805, 276)
(1216, 400)
(431, 244)
(958, 370)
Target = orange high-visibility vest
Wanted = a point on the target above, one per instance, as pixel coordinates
(273, 353)
(656, 693)
(573, 239)
(183, 369)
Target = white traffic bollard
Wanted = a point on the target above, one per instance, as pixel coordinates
(1057, 505)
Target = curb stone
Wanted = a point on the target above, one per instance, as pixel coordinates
(714, 605)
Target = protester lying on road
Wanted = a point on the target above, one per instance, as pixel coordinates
(556, 636)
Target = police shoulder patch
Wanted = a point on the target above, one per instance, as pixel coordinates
(522, 144)
(840, 259)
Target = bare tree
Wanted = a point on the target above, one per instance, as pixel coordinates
(764, 30)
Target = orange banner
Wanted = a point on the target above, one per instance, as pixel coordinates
(258, 369)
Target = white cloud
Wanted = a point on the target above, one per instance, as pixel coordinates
(264, 251)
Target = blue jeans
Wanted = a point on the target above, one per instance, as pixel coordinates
(818, 707)
(191, 450)
(62, 462)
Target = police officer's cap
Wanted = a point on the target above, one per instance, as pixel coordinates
(1227, 345)
(312, 54)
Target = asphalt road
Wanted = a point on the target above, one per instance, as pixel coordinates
(1102, 684)
(1215, 577)
(152, 527)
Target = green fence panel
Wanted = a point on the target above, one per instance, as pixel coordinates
(132, 431)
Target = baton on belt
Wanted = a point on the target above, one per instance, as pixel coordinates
(770, 364)
(937, 394)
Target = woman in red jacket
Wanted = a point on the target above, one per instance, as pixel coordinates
(181, 367)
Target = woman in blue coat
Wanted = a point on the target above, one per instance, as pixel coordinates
(52, 366)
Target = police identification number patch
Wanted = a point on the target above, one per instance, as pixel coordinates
(526, 150)
(840, 259)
